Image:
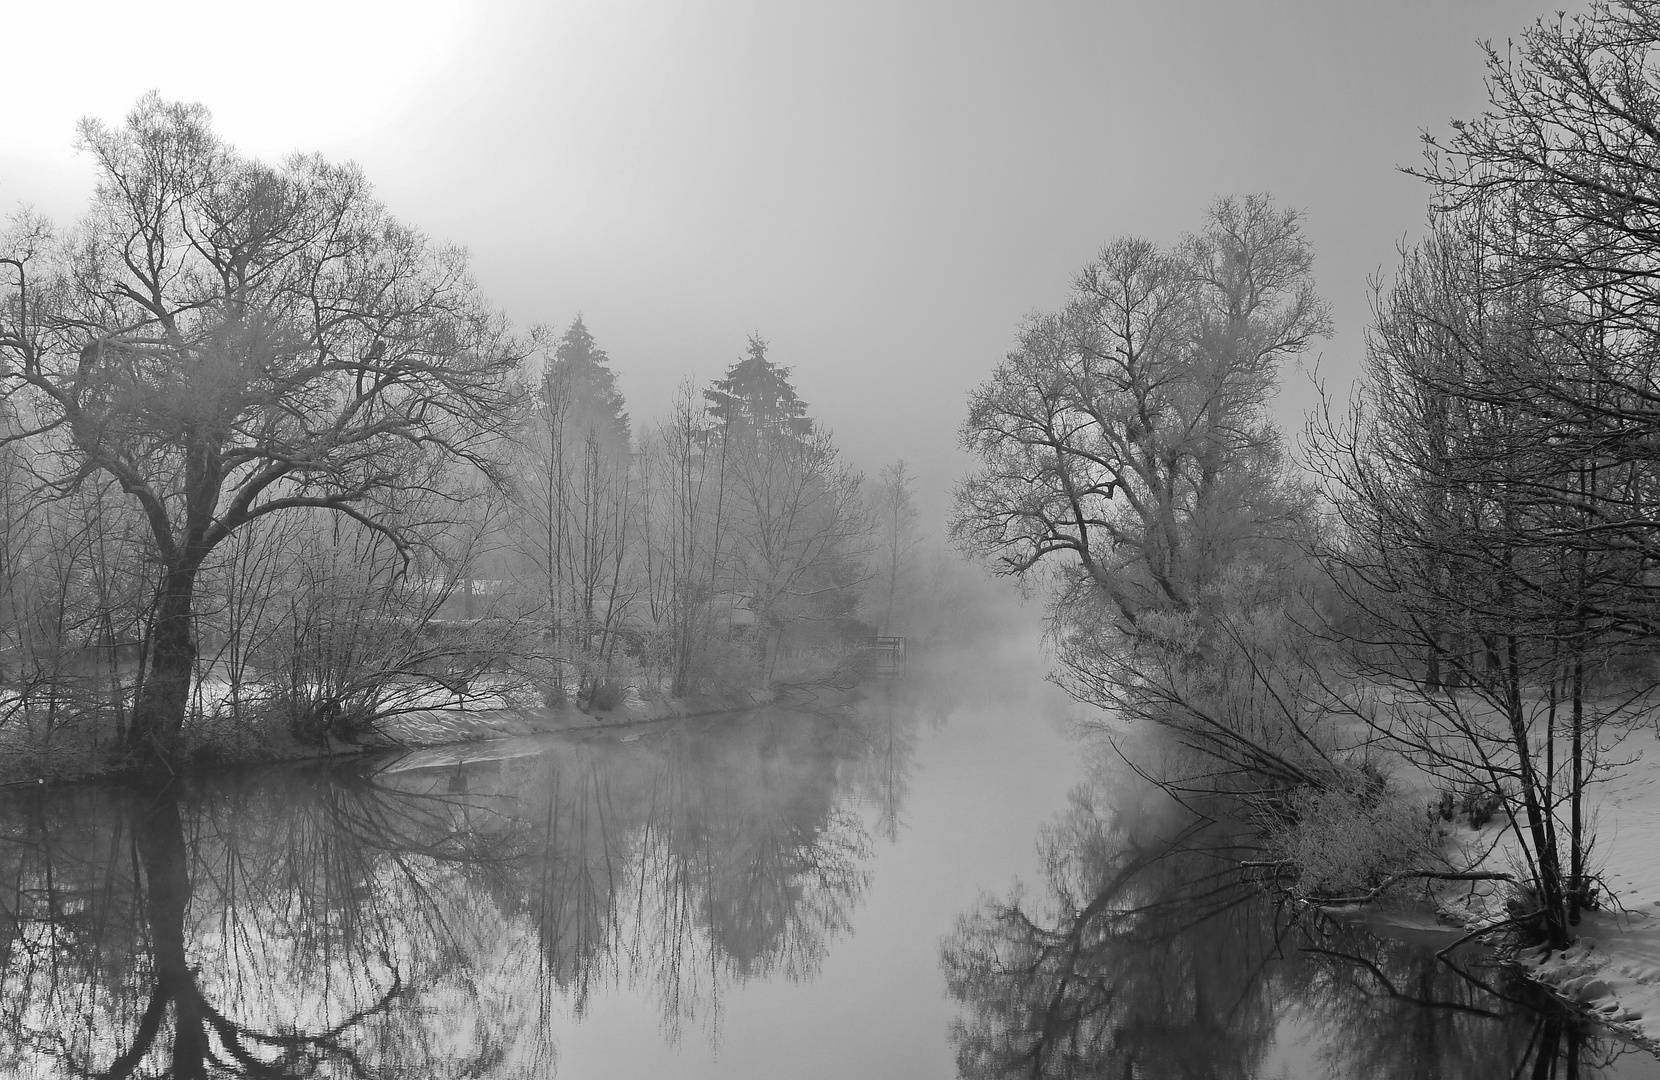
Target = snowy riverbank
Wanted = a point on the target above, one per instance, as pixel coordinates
(1612, 970)
(418, 717)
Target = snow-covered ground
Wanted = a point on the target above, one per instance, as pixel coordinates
(1613, 968)
(212, 693)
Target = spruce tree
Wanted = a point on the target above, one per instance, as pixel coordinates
(756, 397)
(580, 374)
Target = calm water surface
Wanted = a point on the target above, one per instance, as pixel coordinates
(787, 893)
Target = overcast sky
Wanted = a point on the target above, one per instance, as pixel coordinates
(879, 187)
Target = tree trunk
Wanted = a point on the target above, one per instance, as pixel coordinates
(1455, 655)
(158, 712)
(1576, 827)
(162, 851)
(1549, 864)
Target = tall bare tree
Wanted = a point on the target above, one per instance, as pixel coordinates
(897, 534)
(1126, 440)
(1467, 547)
(675, 519)
(1130, 464)
(577, 503)
(226, 340)
(1498, 478)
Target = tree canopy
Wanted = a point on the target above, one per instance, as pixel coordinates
(1127, 435)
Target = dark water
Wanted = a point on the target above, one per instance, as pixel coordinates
(786, 893)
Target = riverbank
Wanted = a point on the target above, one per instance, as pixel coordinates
(1612, 970)
(214, 740)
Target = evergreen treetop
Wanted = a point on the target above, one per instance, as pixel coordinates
(756, 396)
(580, 375)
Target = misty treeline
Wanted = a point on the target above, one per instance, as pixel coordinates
(268, 454)
(728, 546)
(1453, 586)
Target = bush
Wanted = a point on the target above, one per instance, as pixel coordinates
(1476, 802)
(1480, 804)
(607, 694)
(1346, 838)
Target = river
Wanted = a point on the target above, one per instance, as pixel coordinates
(939, 879)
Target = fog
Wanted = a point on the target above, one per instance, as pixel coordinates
(880, 190)
(516, 481)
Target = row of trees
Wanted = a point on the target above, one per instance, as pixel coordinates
(1462, 575)
(247, 416)
(729, 537)
(1506, 460)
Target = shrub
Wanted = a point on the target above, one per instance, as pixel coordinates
(607, 694)
(1480, 804)
(1345, 838)
(1476, 802)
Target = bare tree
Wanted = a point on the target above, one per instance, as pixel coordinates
(1556, 181)
(577, 510)
(1466, 565)
(228, 340)
(679, 542)
(1497, 479)
(1126, 440)
(898, 533)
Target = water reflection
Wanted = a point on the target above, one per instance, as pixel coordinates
(447, 917)
(437, 918)
(1151, 955)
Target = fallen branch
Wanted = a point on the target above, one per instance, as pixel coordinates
(1488, 929)
(1435, 875)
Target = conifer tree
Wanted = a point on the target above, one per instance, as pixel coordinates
(756, 396)
(579, 373)
(789, 522)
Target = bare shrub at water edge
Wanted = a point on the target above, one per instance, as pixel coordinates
(1347, 839)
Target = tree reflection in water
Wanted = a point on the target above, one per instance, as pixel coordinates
(432, 919)
(1152, 956)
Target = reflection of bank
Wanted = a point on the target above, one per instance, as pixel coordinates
(1155, 956)
(130, 889)
(722, 851)
(428, 921)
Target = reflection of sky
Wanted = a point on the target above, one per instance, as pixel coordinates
(795, 939)
(982, 784)
(1295, 1051)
